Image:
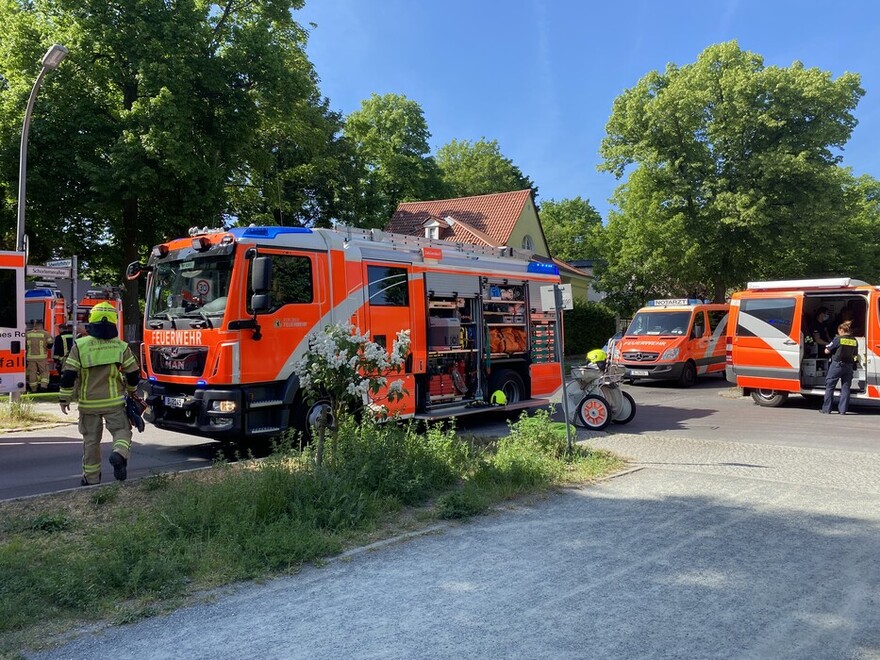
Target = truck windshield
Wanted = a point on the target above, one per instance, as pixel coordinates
(196, 287)
(659, 323)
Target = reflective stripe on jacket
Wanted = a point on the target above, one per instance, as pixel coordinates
(100, 364)
(38, 343)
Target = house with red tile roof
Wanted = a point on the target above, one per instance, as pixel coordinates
(499, 219)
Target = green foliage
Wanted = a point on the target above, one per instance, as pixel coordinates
(105, 495)
(466, 503)
(734, 176)
(163, 116)
(573, 228)
(399, 463)
(587, 326)
(390, 136)
(478, 168)
(346, 369)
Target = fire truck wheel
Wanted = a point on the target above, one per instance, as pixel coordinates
(509, 382)
(688, 375)
(769, 398)
(593, 412)
(306, 416)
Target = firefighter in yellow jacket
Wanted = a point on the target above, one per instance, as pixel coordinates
(107, 370)
(37, 342)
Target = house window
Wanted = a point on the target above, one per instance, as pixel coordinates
(433, 232)
(528, 243)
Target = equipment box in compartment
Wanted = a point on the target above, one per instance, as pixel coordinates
(444, 333)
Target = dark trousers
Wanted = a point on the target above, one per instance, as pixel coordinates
(843, 373)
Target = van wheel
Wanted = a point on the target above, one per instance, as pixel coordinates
(769, 398)
(688, 375)
(509, 382)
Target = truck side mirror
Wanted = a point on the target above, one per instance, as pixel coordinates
(260, 302)
(134, 270)
(261, 274)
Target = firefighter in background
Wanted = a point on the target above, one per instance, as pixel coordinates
(107, 370)
(38, 343)
(62, 345)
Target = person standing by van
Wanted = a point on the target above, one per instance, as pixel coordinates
(844, 352)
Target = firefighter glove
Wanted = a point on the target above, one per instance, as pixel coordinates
(65, 406)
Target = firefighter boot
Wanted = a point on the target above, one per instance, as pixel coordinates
(120, 466)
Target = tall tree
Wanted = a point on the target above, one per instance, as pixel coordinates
(733, 172)
(159, 108)
(391, 135)
(573, 228)
(479, 168)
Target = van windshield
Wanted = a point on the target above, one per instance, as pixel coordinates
(659, 323)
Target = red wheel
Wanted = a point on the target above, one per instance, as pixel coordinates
(593, 412)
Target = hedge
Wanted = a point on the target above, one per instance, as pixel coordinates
(587, 326)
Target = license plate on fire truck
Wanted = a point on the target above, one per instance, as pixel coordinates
(638, 372)
(175, 401)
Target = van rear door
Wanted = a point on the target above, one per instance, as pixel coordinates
(12, 322)
(872, 344)
(767, 347)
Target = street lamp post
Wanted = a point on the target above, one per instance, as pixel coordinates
(50, 61)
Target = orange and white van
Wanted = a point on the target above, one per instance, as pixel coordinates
(769, 351)
(229, 313)
(46, 305)
(677, 339)
(12, 322)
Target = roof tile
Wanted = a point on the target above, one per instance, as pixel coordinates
(494, 215)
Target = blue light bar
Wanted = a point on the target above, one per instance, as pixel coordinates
(543, 268)
(40, 293)
(270, 233)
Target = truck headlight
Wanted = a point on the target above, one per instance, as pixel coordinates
(670, 354)
(223, 406)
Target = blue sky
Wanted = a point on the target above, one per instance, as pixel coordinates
(540, 76)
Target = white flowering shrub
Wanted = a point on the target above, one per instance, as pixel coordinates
(348, 370)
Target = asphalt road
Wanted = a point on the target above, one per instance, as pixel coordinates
(48, 460)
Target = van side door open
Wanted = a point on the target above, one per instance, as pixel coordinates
(767, 342)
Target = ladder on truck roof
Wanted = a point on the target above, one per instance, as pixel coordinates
(415, 243)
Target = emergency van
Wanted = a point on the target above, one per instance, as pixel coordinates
(12, 322)
(45, 304)
(770, 348)
(676, 339)
(228, 314)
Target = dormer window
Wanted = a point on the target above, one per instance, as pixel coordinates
(432, 228)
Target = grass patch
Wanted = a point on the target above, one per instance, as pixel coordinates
(21, 414)
(124, 552)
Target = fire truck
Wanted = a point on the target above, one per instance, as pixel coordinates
(95, 296)
(228, 314)
(12, 322)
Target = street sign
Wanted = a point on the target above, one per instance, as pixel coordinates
(60, 263)
(47, 271)
(548, 297)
